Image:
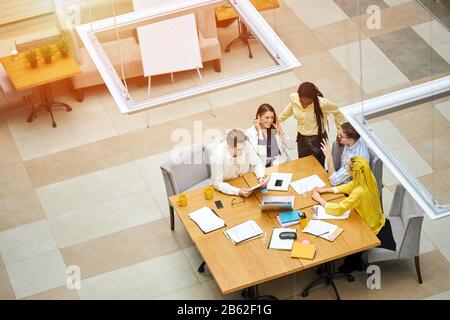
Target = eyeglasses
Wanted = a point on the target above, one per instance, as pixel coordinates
(237, 202)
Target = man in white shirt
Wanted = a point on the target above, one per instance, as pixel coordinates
(233, 158)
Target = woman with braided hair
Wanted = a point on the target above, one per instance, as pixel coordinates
(310, 109)
(363, 197)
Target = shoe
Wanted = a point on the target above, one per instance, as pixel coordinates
(346, 268)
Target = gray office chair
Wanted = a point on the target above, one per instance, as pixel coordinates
(190, 171)
(376, 165)
(406, 218)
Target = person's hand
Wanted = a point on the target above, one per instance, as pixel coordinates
(263, 181)
(316, 196)
(278, 127)
(325, 147)
(245, 192)
(257, 124)
(320, 190)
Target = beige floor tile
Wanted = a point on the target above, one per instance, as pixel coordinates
(340, 88)
(88, 122)
(60, 293)
(180, 233)
(445, 176)
(349, 56)
(311, 64)
(446, 252)
(90, 189)
(437, 231)
(283, 20)
(14, 180)
(303, 43)
(387, 200)
(6, 290)
(338, 34)
(26, 241)
(20, 209)
(191, 293)
(37, 274)
(390, 135)
(444, 108)
(103, 218)
(194, 258)
(431, 151)
(426, 245)
(8, 145)
(66, 164)
(440, 296)
(144, 280)
(409, 157)
(437, 187)
(319, 13)
(121, 249)
(379, 76)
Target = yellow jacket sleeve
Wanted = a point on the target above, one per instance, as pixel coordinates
(329, 107)
(346, 188)
(352, 201)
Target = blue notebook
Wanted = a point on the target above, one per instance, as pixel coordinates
(289, 216)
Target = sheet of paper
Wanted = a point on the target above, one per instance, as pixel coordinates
(244, 231)
(307, 184)
(281, 244)
(206, 219)
(320, 228)
(285, 178)
(320, 213)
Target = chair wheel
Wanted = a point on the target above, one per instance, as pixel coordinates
(351, 278)
(305, 294)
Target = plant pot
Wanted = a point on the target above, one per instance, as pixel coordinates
(64, 53)
(48, 60)
(34, 64)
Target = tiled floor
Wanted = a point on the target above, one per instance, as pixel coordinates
(90, 192)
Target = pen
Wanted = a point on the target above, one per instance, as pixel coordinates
(322, 234)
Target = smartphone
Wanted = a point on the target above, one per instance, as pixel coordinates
(219, 204)
(278, 183)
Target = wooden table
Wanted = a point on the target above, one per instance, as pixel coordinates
(24, 77)
(246, 265)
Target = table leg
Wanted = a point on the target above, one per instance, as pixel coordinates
(47, 102)
(244, 36)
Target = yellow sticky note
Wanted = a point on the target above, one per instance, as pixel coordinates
(303, 251)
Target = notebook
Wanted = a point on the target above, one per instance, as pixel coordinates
(303, 250)
(244, 232)
(307, 184)
(323, 229)
(279, 181)
(289, 216)
(320, 213)
(207, 220)
(281, 244)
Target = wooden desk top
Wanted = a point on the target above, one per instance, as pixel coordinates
(24, 77)
(300, 168)
(227, 12)
(231, 214)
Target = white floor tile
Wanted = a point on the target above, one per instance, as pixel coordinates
(101, 219)
(195, 259)
(393, 3)
(379, 76)
(321, 13)
(150, 168)
(145, 280)
(437, 231)
(413, 161)
(426, 245)
(213, 292)
(26, 241)
(387, 200)
(37, 274)
(94, 188)
(432, 32)
(440, 296)
(349, 55)
(446, 252)
(191, 293)
(390, 135)
(160, 196)
(444, 108)
(444, 51)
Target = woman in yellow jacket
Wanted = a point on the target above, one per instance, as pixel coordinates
(363, 197)
(310, 109)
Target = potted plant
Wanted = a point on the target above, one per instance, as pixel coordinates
(47, 53)
(63, 45)
(31, 56)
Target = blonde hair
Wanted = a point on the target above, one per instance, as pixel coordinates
(363, 176)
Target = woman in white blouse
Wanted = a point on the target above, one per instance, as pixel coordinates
(268, 138)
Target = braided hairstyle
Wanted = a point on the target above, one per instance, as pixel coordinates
(308, 89)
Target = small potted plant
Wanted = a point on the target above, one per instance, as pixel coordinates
(47, 53)
(63, 45)
(31, 56)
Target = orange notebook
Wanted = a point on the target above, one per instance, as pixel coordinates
(303, 250)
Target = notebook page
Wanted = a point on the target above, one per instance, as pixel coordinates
(307, 184)
(244, 231)
(206, 219)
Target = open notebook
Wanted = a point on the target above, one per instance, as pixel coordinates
(323, 229)
(207, 220)
(243, 232)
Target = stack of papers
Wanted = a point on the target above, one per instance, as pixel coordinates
(307, 184)
(279, 181)
(303, 250)
(320, 213)
(281, 244)
(207, 220)
(321, 229)
(245, 231)
(290, 218)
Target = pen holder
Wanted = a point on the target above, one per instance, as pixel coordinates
(182, 200)
(209, 193)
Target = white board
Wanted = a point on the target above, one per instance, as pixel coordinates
(170, 46)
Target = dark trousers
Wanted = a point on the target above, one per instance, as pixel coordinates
(310, 145)
(387, 242)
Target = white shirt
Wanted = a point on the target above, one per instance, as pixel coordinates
(224, 167)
